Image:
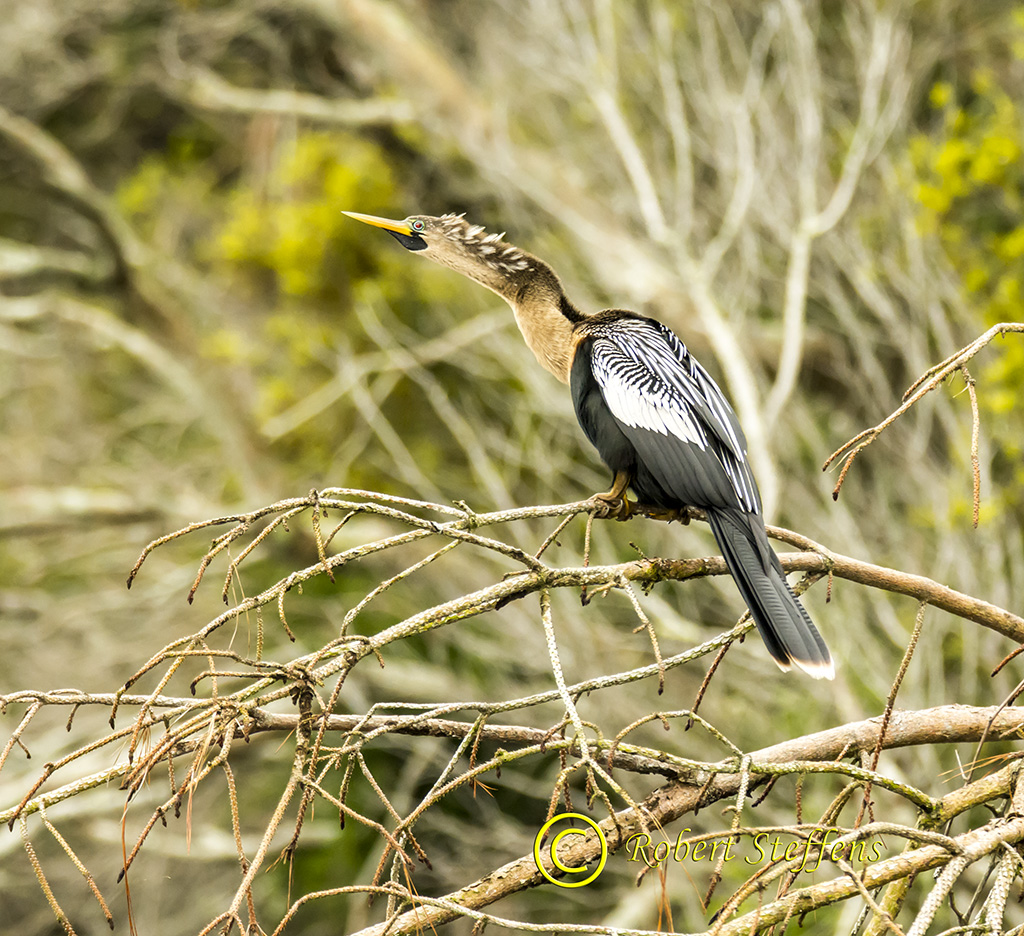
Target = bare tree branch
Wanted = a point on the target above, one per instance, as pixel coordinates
(961, 723)
(927, 382)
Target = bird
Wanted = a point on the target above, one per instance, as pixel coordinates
(657, 418)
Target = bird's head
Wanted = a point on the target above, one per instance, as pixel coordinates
(544, 315)
(467, 248)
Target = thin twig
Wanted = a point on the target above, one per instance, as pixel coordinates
(927, 382)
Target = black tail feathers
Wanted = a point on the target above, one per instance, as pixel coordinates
(785, 628)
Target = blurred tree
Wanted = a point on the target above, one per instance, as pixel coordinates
(822, 199)
(970, 172)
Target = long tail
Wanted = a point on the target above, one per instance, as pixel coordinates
(785, 628)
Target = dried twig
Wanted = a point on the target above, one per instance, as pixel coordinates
(927, 382)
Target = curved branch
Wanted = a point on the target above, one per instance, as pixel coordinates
(206, 90)
(927, 382)
(949, 723)
(815, 558)
(60, 171)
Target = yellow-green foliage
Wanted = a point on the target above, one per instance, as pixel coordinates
(291, 221)
(969, 184)
(168, 198)
(303, 284)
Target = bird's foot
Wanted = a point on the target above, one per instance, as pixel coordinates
(610, 506)
(665, 514)
(614, 503)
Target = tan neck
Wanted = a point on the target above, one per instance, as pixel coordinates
(536, 298)
(547, 331)
(535, 294)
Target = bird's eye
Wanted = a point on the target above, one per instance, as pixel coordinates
(417, 225)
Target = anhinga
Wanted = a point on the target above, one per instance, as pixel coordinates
(656, 417)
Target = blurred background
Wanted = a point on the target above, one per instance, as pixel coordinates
(821, 199)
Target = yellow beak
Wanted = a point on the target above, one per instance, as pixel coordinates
(400, 227)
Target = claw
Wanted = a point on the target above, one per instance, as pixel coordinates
(618, 508)
(614, 502)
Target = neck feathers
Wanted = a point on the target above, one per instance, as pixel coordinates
(543, 313)
(545, 317)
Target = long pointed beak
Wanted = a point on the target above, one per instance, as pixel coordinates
(399, 227)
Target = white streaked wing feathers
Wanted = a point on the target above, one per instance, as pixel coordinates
(650, 381)
(645, 409)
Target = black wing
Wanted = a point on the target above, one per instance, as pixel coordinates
(683, 429)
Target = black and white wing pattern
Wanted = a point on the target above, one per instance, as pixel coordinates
(652, 411)
(683, 429)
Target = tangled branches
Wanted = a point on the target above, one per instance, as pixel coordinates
(235, 698)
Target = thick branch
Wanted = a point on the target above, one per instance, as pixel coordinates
(650, 571)
(817, 558)
(945, 724)
(913, 586)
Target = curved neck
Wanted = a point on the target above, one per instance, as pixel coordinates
(543, 312)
